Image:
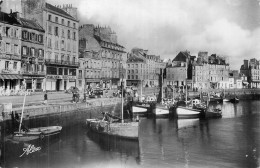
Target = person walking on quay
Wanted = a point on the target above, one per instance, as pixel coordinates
(45, 97)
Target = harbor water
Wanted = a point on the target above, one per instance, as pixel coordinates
(228, 142)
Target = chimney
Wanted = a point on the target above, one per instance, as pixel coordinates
(245, 64)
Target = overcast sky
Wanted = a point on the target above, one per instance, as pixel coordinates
(165, 27)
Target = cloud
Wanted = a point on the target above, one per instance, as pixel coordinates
(168, 26)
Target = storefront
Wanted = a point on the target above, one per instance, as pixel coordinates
(33, 82)
(59, 82)
(93, 83)
(10, 81)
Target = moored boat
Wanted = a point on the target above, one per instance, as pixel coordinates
(187, 112)
(234, 100)
(40, 132)
(127, 130)
(161, 110)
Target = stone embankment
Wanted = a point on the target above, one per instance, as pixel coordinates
(59, 114)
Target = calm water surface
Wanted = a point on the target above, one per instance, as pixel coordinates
(233, 141)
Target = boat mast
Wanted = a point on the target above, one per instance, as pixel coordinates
(162, 86)
(186, 92)
(141, 90)
(122, 95)
(21, 120)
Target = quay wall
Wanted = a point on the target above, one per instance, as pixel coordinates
(60, 114)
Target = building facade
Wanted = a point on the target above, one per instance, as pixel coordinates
(61, 46)
(103, 56)
(10, 52)
(32, 55)
(251, 70)
(143, 69)
(210, 72)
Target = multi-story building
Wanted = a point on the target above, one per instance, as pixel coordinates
(143, 68)
(178, 72)
(10, 52)
(32, 54)
(103, 56)
(61, 45)
(252, 71)
(210, 72)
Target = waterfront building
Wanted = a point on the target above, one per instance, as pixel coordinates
(251, 70)
(178, 72)
(10, 52)
(210, 72)
(32, 54)
(61, 46)
(103, 56)
(237, 80)
(143, 69)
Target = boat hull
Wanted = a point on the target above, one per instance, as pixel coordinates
(139, 110)
(184, 112)
(35, 133)
(161, 111)
(123, 130)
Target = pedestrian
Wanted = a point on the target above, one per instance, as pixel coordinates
(45, 97)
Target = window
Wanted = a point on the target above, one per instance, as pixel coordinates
(128, 77)
(65, 71)
(56, 58)
(136, 76)
(62, 33)
(49, 29)
(40, 53)
(57, 45)
(60, 71)
(62, 44)
(24, 50)
(49, 43)
(49, 17)
(74, 35)
(62, 21)
(68, 23)
(74, 25)
(40, 38)
(8, 47)
(7, 65)
(32, 52)
(15, 65)
(16, 49)
(56, 19)
(56, 31)
(74, 60)
(72, 72)
(68, 34)
(80, 73)
(51, 70)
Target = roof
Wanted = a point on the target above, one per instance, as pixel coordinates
(31, 24)
(58, 10)
(135, 58)
(99, 39)
(181, 56)
(9, 19)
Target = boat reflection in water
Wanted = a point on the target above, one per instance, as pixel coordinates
(116, 144)
(186, 131)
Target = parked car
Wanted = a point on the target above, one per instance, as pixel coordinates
(96, 94)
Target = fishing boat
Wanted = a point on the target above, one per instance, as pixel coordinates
(30, 134)
(160, 109)
(115, 126)
(139, 110)
(187, 111)
(234, 100)
(213, 113)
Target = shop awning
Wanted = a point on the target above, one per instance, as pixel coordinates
(10, 76)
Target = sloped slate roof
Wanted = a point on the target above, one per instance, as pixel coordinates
(99, 39)
(135, 58)
(181, 57)
(58, 10)
(7, 18)
(31, 24)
